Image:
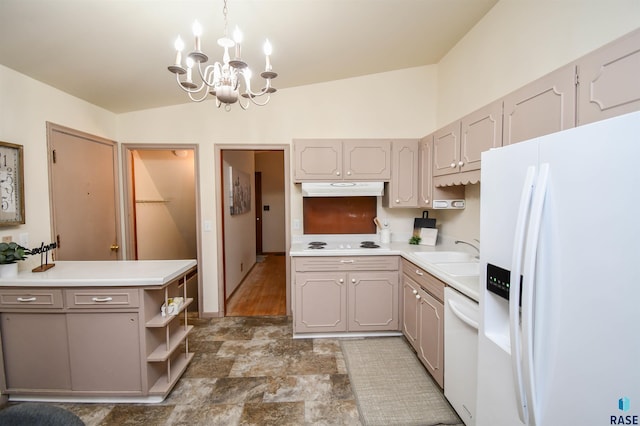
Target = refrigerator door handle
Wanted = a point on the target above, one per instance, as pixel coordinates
(514, 291)
(528, 288)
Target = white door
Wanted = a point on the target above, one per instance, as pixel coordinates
(84, 196)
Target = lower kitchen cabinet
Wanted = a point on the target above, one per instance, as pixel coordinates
(344, 294)
(76, 343)
(321, 302)
(104, 351)
(423, 317)
(35, 351)
(373, 301)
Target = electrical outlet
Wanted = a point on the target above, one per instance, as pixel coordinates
(7, 239)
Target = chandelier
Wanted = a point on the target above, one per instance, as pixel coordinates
(228, 80)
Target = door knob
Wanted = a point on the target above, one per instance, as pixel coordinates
(114, 247)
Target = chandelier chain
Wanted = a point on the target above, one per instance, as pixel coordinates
(225, 10)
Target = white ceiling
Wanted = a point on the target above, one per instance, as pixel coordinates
(115, 53)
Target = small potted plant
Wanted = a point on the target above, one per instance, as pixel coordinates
(10, 254)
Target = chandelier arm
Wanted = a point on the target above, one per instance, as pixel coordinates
(207, 76)
(243, 106)
(190, 92)
(255, 102)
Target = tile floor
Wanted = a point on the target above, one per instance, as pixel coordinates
(246, 371)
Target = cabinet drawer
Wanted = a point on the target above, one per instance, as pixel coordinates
(102, 298)
(347, 263)
(34, 299)
(427, 281)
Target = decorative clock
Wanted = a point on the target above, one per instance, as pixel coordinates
(11, 184)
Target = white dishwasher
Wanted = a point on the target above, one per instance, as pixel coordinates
(461, 316)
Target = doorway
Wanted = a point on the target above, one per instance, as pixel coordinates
(255, 274)
(161, 193)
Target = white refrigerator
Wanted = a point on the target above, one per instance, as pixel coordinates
(559, 338)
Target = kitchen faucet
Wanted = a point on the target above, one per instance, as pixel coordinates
(469, 244)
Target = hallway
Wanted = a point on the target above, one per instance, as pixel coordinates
(263, 291)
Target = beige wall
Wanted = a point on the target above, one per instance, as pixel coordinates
(239, 229)
(516, 42)
(519, 41)
(347, 108)
(25, 107)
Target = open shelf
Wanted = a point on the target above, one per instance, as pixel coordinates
(164, 383)
(161, 353)
(160, 321)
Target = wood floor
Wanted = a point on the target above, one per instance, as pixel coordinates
(263, 291)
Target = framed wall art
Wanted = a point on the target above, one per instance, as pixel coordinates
(239, 191)
(11, 184)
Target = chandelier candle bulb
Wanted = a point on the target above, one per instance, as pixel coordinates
(267, 52)
(237, 37)
(179, 45)
(197, 32)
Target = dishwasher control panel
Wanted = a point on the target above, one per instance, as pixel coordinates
(499, 281)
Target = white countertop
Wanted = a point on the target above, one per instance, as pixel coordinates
(467, 285)
(117, 273)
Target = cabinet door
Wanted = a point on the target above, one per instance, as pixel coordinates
(545, 106)
(35, 351)
(431, 335)
(480, 131)
(373, 301)
(367, 160)
(319, 159)
(425, 180)
(608, 80)
(320, 302)
(446, 150)
(410, 310)
(104, 349)
(403, 187)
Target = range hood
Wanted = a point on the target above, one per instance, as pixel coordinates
(342, 189)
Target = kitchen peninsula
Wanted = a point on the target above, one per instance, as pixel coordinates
(95, 331)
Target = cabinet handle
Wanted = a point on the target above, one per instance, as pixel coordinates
(337, 173)
(418, 296)
(415, 291)
(341, 280)
(453, 165)
(426, 201)
(419, 272)
(353, 280)
(397, 201)
(27, 299)
(349, 173)
(347, 261)
(460, 163)
(102, 299)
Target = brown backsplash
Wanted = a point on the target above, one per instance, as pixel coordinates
(339, 215)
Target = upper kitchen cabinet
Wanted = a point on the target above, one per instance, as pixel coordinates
(425, 182)
(457, 148)
(402, 190)
(545, 106)
(335, 160)
(430, 196)
(608, 80)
